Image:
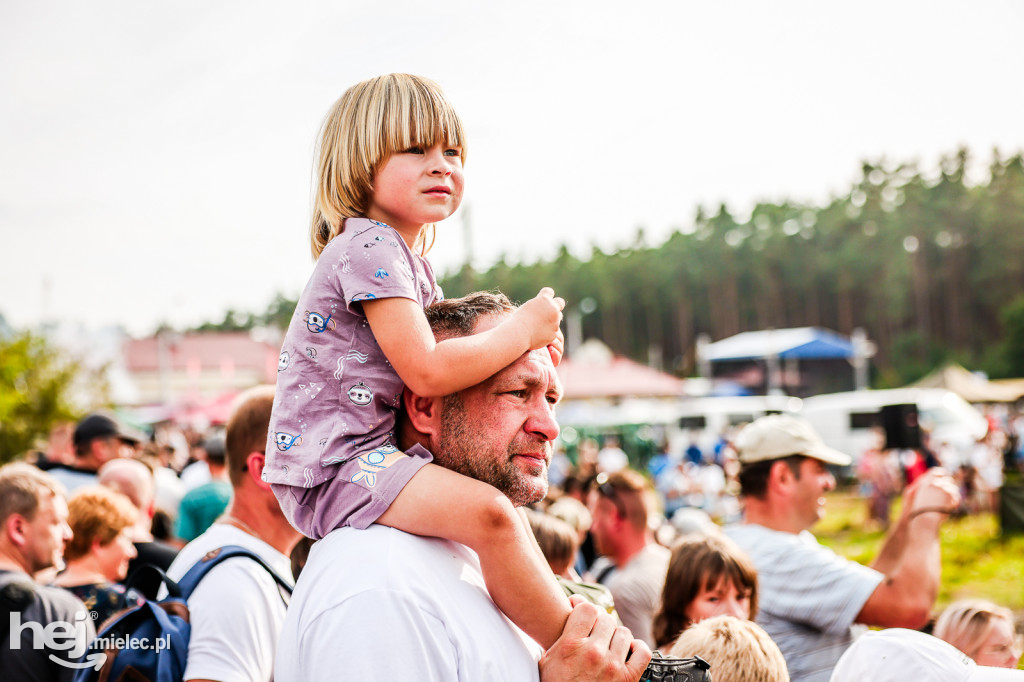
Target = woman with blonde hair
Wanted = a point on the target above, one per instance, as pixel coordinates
(98, 553)
(982, 630)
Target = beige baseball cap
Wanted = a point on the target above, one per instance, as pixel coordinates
(781, 435)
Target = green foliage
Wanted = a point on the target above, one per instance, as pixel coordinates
(925, 262)
(1013, 343)
(976, 560)
(36, 380)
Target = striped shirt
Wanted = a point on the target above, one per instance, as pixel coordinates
(808, 597)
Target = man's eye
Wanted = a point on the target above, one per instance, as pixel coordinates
(552, 400)
(519, 393)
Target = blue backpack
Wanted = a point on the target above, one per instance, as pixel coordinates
(117, 653)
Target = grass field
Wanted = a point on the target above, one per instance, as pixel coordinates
(976, 560)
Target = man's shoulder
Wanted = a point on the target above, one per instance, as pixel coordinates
(49, 603)
(347, 563)
(753, 537)
(222, 535)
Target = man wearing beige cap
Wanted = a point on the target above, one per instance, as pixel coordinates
(811, 598)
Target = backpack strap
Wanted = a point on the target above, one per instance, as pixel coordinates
(190, 580)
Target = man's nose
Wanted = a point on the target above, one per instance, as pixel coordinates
(542, 422)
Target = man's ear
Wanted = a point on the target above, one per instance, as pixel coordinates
(16, 528)
(423, 414)
(780, 475)
(254, 464)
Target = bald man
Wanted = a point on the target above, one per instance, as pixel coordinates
(135, 480)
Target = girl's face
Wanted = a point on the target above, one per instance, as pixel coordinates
(722, 599)
(417, 186)
(1001, 649)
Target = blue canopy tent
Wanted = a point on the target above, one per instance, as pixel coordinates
(773, 357)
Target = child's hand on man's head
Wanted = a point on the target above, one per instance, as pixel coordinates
(541, 316)
(557, 348)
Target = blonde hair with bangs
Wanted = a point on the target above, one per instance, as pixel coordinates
(371, 121)
(966, 624)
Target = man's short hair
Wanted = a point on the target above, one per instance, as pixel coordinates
(246, 431)
(753, 477)
(215, 449)
(457, 317)
(132, 478)
(632, 495)
(738, 650)
(20, 488)
(96, 514)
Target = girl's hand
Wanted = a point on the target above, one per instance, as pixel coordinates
(541, 317)
(556, 348)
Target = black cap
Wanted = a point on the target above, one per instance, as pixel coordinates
(98, 425)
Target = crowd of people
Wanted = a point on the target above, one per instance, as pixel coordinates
(759, 599)
(392, 494)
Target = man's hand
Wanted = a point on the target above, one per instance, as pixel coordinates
(933, 491)
(594, 647)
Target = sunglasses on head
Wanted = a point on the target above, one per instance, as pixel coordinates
(608, 491)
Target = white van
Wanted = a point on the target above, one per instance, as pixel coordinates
(703, 420)
(846, 420)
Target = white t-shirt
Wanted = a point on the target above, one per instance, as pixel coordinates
(808, 597)
(380, 604)
(236, 611)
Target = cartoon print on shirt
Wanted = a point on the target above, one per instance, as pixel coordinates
(381, 273)
(311, 353)
(282, 361)
(360, 394)
(286, 441)
(361, 358)
(376, 240)
(363, 297)
(373, 462)
(346, 263)
(353, 354)
(317, 323)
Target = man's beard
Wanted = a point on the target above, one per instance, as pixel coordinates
(468, 451)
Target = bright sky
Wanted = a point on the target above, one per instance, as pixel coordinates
(155, 158)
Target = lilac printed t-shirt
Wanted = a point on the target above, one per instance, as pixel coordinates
(331, 452)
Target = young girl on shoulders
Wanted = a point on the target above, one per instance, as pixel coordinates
(390, 166)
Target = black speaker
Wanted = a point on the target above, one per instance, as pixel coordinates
(902, 431)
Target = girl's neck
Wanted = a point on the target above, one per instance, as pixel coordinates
(410, 233)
